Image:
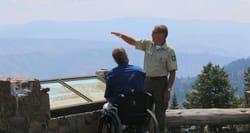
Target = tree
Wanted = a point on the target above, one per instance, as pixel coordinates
(247, 79)
(174, 104)
(211, 90)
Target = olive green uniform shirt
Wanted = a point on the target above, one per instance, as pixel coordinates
(157, 61)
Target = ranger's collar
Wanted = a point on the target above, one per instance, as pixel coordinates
(164, 46)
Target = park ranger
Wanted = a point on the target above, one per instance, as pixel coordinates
(160, 65)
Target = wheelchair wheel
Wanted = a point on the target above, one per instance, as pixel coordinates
(152, 124)
(109, 123)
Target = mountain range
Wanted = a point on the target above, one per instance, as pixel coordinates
(50, 58)
(196, 43)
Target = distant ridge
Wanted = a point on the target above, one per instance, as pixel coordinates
(196, 44)
(236, 70)
(215, 37)
(55, 58)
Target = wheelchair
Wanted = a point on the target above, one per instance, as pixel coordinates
(132, 114)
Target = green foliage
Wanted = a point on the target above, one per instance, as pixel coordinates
(247, 79)
(174, 104)
(211, 90)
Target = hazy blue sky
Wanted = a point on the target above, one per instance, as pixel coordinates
(23, 11)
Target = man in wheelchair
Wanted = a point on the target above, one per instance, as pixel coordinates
(124, 79)
(127, 104)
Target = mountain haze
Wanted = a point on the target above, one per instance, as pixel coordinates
(188, 36)
(236, 70)
(51, 58)
(87, 45)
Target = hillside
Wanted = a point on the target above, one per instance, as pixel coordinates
(54, 58)
(236, 70)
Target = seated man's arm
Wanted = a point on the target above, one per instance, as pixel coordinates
(101, 74)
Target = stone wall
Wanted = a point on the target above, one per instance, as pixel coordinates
(24, 106)
(77, 123)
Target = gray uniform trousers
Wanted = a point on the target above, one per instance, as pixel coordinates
(157, 87)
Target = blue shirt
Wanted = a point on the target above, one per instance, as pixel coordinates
(124, 79)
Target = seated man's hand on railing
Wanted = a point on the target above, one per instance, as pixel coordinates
(101, 74)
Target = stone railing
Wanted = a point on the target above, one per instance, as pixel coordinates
(24, 106)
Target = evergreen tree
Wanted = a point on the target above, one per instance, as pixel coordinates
(211, 90)
(174, 104)
(247, 79)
